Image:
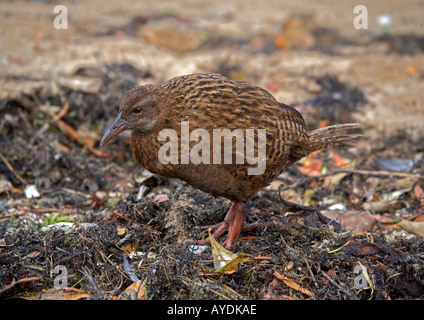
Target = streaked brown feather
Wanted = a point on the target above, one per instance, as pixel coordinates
(212, 101)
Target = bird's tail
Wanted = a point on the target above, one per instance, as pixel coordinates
(319, 140)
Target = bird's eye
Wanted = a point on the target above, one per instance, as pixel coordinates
(137, 110)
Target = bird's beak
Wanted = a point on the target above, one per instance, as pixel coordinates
(116, 127)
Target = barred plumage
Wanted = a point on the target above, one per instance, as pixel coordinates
(209, 102)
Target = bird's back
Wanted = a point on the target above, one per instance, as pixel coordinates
(214, 103)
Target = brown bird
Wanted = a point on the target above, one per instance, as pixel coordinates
(178, 131)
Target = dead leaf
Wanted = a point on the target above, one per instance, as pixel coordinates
(120, 231)
(135, 291)
(59, 294)
(33, 255)
(173, 37)
(381, 206)
(5, 186)
(383, 250)
(232, 266)
(355, 221)
(297, 33)
(406, 183)
(293, 284)
(339, 161)
(280, 42)
(410, 70)
(383, 219)
(272, 85)
(323, 123)
(419, 193)
(291, 195)
(413, 227)
(311, 167)
(334, 179)
(420, 218)
(308, 195)
(221, 256)
(98, 198)
(160, 198)
(130, 247)
(224, 260)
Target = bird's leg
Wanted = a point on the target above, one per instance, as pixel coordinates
(238, 214)
(233, 221)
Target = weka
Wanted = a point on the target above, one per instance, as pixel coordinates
(211, 101)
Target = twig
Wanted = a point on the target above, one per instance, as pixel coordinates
(269, 294)
(260, 257)
(6, 216)
(14, 282)
(77, 193)
(337, 285)
(398, 223)
(309, 268)
(62, 112)
(360, 172)
(73, 290)
(87, 274)
(113, 264)
(7, 163)
(382, 173)
(45, 210)
(120, 215)
(71, 133)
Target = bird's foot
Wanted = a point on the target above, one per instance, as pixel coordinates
(233, 221)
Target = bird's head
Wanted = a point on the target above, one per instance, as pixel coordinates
(138, 111)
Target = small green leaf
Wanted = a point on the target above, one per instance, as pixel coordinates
(33, 267)
(111, 202)
(56, 217)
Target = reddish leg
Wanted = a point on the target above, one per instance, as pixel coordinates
(233, 221)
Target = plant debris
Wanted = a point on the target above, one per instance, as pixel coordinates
(80, 222)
